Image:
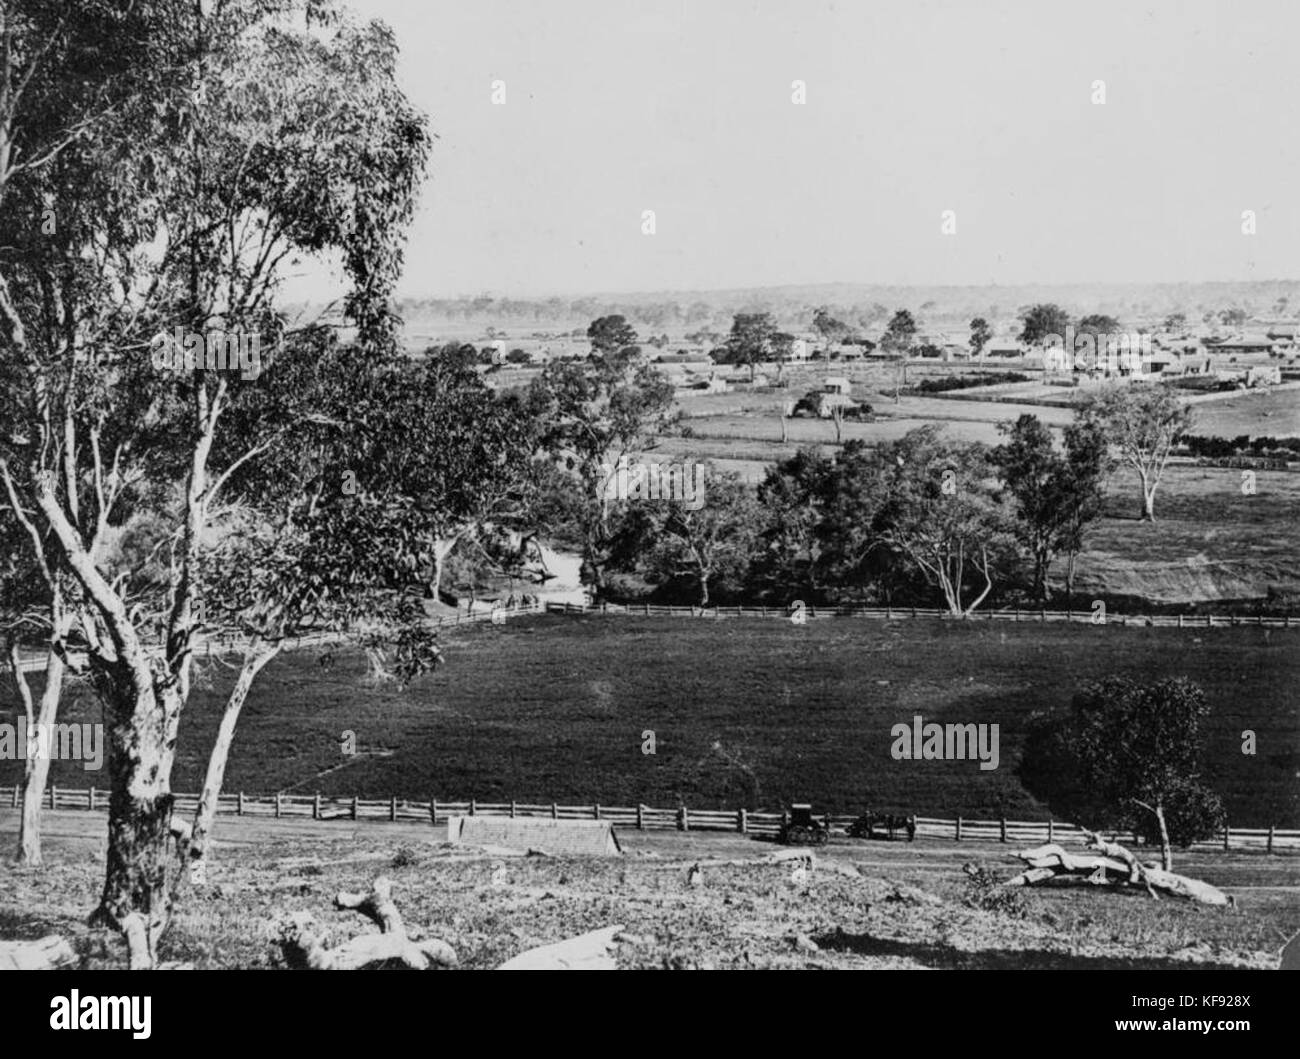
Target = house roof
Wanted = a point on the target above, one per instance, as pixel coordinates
(1240, 341)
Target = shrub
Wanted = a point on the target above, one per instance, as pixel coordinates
(985, 891)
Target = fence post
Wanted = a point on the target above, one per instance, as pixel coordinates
(1270, 839)
(433, 810)
(277, 805)
(53, 795)
(1004, 829)
(392, 808)
(512, 808)
(640, 818)
(354, 807)
(91, 805)
(555, 811)
(683, 824)
(1016, 614)
(1050, 836)
(473, 806)
(742, 822)
(16, 788)
(239, 805)
(596, 810)
(959, 829)
(1180, 621)
(1226, 833)
(914, 612)
(315, 807)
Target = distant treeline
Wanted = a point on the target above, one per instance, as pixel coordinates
(653, 315)
(966, 382)
(1242, 445)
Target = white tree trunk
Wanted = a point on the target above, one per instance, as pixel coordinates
(217, 759)
(37, 770)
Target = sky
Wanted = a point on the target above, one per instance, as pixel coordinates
(985, 109)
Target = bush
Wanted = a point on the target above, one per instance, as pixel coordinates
(985, 891)
(807, 404)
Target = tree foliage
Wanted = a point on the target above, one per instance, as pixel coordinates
(1138, 753)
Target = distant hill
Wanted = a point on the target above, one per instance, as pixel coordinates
(864, 306)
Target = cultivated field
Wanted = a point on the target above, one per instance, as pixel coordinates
(753, 713)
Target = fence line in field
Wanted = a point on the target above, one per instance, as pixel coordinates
(1077, 617)
(641, 817)
(211, 646)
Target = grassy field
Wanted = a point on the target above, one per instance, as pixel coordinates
(888, 905)
(1211, 541)
(744, 712)
(1259, 412)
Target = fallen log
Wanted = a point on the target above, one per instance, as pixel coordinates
(587, 952)
(45, 954)
(302, 943)
(1112, 865)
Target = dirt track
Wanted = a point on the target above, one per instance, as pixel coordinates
(1234, 872)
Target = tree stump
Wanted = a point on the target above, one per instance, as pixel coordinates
(301, 942)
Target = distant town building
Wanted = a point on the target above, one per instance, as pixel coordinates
(1254, 343)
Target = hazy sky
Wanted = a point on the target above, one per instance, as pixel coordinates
(685, 107)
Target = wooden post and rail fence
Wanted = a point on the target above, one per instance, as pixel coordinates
(641, 817)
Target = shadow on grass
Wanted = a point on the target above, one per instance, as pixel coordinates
(945, 957)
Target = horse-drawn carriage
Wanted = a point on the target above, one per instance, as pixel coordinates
(800, 828)
(882, 825)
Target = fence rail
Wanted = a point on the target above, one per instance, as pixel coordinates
(1076, 617)
(35, 661)
(641, 817)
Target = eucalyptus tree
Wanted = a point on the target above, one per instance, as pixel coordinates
(247, 133)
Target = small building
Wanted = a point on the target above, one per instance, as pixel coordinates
(1246, 344)
(1004, 347)
(1264, 375)
(837, 384)
(800, 350)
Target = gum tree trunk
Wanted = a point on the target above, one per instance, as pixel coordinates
(37, 770)
(1166, 850)
(142, 866)
(203, 818)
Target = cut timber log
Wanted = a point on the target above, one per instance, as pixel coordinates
(301, 941)
(46, 954)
